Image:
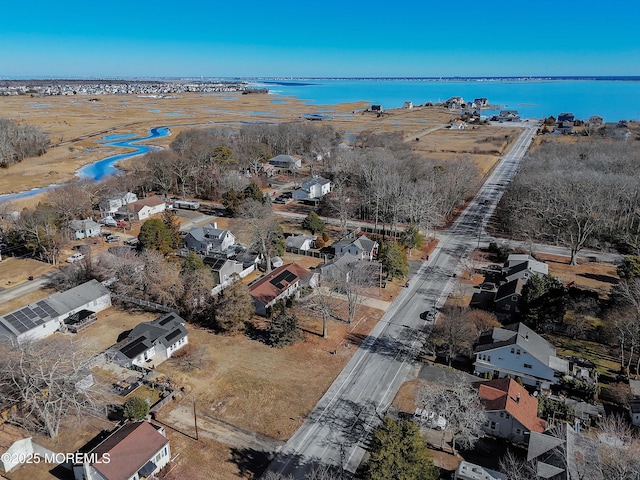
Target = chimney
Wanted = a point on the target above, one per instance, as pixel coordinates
(518, 397)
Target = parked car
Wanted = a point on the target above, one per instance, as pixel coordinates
(121, 224)
(431, 419)
(76, 257)
(113, 239)
(429, 315)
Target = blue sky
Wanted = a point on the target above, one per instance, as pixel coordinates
(126, 38)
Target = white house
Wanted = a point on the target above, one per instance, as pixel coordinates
(150, 342)
(15, 445)
(286, 161)
(133, 451)
(209, 239)
(517, 351)
(458, 125)
(111, 204)
(512, 414)
(471, 471)
(143, 209)
(42, 318)
(316, 187)
(301, 242)
(362, 247)
(84, 228)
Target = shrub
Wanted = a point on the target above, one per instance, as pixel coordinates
(135, 408)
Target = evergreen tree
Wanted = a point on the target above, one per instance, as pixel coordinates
(543, 300)
(284, 330)
(193, 263)
(135, 408)
(398, 452)
(394, 260)
(154, 235)
(313, 223)
(253, 192)
(233, 308)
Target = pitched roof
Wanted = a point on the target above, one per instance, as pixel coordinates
(83, 225)
(298, 241)
(506, 394)
(165, 330)
(362, 243)
(510, 288)
(270, 286)
(146, 202)
(521, 335)
(209, 234)
(130, 447)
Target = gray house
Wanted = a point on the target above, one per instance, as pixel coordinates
(150, 342)
(209, 239)
(286, 161)
(301, 242)
(223, 268)
(313, 188)
(84, 228)
(508, 297)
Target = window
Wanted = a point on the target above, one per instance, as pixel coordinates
(501, 414)
(513, 350)
(518, 431)
(493, 425)
(526, 365)
(518, 352)
(488, 358)
(507, 307)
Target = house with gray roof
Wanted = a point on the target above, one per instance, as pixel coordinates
(301, 242)
(210, 239)
(223, 269)
(507, 299)
(150, 343)
(314, 188)
(524, 267)
(44, 317)
(110, 205)
(517, 351)
(362, 247)
(84, 228)
(286, 161)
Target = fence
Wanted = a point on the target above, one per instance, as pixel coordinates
(145, 303)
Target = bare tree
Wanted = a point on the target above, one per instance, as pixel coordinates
(453, 334)
(517, 468)
(323, 300)
(42, 380)
(352, 280)
(460, 406)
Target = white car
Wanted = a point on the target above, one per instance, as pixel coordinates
(431, 419)
(76, 257)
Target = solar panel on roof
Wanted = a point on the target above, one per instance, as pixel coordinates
(173, 334)
(166, 320)
(40, 312)
(30, 313)
(135, 348)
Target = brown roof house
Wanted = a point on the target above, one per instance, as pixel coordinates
(283, 282)
(134, 451)
(512, 414)
(143, 209)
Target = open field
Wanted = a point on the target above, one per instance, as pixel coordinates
(76, 125)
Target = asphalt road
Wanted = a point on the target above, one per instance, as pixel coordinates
(337, 429)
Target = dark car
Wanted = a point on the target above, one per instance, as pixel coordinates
(429, 315)
(113, 239)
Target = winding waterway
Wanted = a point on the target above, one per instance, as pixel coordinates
(106, 167)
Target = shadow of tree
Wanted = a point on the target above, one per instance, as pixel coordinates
(251, 463)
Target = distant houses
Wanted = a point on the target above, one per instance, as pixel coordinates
(288, 162)
(506, 116)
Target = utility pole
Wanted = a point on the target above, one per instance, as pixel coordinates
(195, 417)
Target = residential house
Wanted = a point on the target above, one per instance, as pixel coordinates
(506, 116)
(561, 453)
(15, 447)
(223, 269)
(281, 283)
(408, 105)
(210, 239)
(512, 414)
(454, 103)
(84, 228)
(362, 247)
(595, 121)
(507, 299)
(150, 342)
(143, 209)
(517, 351)
(481, 102)
(314, 188)
(634, 402)
(565, 117)
(524, 267)
(286, 161)
(301, 242)
(44, 317)
(133, 451)
(248, 258)
(471, 471)
(110, 205)
(458, 125)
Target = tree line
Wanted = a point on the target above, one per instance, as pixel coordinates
(18, 142)
(578, 195)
